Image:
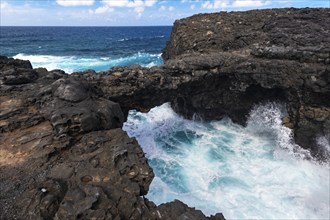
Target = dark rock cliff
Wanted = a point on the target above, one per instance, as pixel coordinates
(225, 63)
(63, 154)
(250, 57)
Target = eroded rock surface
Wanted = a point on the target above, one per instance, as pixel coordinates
(249, 57)
(222, 64)
(64, 155)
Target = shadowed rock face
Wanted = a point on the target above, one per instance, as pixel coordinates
(225, 63)
(63, 154)
(249, 57)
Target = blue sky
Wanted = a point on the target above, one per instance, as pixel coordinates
(126, 12)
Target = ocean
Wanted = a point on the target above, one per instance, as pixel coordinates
(80, 48)
(251, 172)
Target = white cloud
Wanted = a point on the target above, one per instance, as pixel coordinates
(115, 3)
(192, 7)
(207, 5)
(164, 8)
(149, 3)
(249, 3)
(12, 15)
(129, 3)
(221, 4)
(189, 1)
(4, 5)
(102, 10)
(139, 10)
(137, 5)
(75, 2)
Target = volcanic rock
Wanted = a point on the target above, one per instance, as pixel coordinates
(63, 154)
(250, 57)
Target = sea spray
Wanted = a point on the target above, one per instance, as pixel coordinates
(266, 121)
(73, 63)
(253, 172)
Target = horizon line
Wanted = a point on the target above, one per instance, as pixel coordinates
(85, 26)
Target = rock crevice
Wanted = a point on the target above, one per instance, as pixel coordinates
(65, 156)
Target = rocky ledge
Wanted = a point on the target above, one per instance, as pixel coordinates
(63, 154)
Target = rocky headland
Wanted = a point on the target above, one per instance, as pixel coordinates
(63, 154)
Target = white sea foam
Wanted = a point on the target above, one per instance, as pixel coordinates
(123, 39)
(72, 63)
(47, 61)
(324, 143)
(253, 172)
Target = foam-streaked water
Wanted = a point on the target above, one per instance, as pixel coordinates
(80, 48)
(73, 63)
(253, 172)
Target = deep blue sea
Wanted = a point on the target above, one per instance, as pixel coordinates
(252, 172)
(80, 48)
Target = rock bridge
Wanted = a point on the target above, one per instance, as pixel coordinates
(65, 156)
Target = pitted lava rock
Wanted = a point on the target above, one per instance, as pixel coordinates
(63, 154)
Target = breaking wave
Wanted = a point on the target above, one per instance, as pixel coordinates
(252, 172)
(73, 63)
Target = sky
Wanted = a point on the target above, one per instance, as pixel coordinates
(126, 12)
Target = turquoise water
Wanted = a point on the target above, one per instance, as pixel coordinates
(75, 64)
(81, 48)
(252, 172)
